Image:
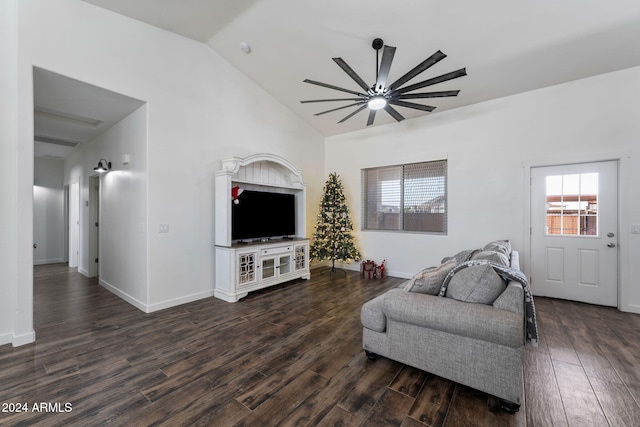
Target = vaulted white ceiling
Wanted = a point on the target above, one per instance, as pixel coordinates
(507, 46)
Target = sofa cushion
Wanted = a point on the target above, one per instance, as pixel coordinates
(476, 284)
(477, 321)
(429, 280)
(494, 256)
(372, 316)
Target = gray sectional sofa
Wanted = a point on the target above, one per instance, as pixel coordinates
(459, 321)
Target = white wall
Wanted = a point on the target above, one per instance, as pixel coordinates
(489, 148)
(48, 211)
(200, 109)
(16, 188)
(8, 169)
(123, 206)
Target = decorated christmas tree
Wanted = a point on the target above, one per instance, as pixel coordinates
(332, 239)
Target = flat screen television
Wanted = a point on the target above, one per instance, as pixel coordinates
(263, 215)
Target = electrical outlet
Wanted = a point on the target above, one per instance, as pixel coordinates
(164, 228)
(635, 228)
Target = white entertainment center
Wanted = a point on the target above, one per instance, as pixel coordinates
(242, 267)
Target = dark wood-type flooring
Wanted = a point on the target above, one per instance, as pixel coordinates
(291, 356)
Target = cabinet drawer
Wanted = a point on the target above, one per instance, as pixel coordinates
(276, 250)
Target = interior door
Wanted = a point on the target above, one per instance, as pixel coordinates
(574, 232)
(97, 227)
(74, 224)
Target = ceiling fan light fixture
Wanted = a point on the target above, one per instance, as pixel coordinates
(377, 103)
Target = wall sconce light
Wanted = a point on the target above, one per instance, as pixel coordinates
(103, 166)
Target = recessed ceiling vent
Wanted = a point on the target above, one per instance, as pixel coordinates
(55, 141)
(67, 117)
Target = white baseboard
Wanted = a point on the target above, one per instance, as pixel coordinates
(179, 301)
(225, 296)
(355, 266)
(23, 339)
(47, 261)
(150, 308)
(630, 308)
(125, 296)
(84, 272)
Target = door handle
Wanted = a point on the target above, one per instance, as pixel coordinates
(611, 245)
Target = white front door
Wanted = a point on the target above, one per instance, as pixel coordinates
(574, 232)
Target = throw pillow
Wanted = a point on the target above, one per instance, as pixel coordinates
(493, 256)
(461, 256)
(429, 280)
(503, 246)
(477, 284)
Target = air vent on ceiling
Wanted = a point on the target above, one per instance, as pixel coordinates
(55, 141)
(68, 117)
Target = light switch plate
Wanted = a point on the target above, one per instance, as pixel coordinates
(164, 228)
(635, 228)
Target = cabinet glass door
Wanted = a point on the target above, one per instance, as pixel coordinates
(300, 257)
(268, 268)
(246, 268)
(285, 264)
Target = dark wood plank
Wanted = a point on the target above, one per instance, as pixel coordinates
(281, 404)
(558, 341)
(370, 387)
(390, 410)
(432, 403)
(409, 381)
(318, 405)
(617, 403)
(339, 417)
(543, 401)
(580, 402)
(468, 408)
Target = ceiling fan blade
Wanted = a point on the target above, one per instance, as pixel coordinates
(347, 69)
(330, 100)
(313, 82)
(433, 59)
(412, 105)
(441, 94)
(394, 113)
(339, 108)
(385, 66)
(443, 78)
(372, 116)
(353, 114)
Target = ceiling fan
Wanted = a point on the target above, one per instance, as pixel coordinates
(383, 96)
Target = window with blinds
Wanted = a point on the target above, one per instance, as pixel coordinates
(410, 197)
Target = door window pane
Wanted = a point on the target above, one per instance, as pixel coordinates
(572, 204)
